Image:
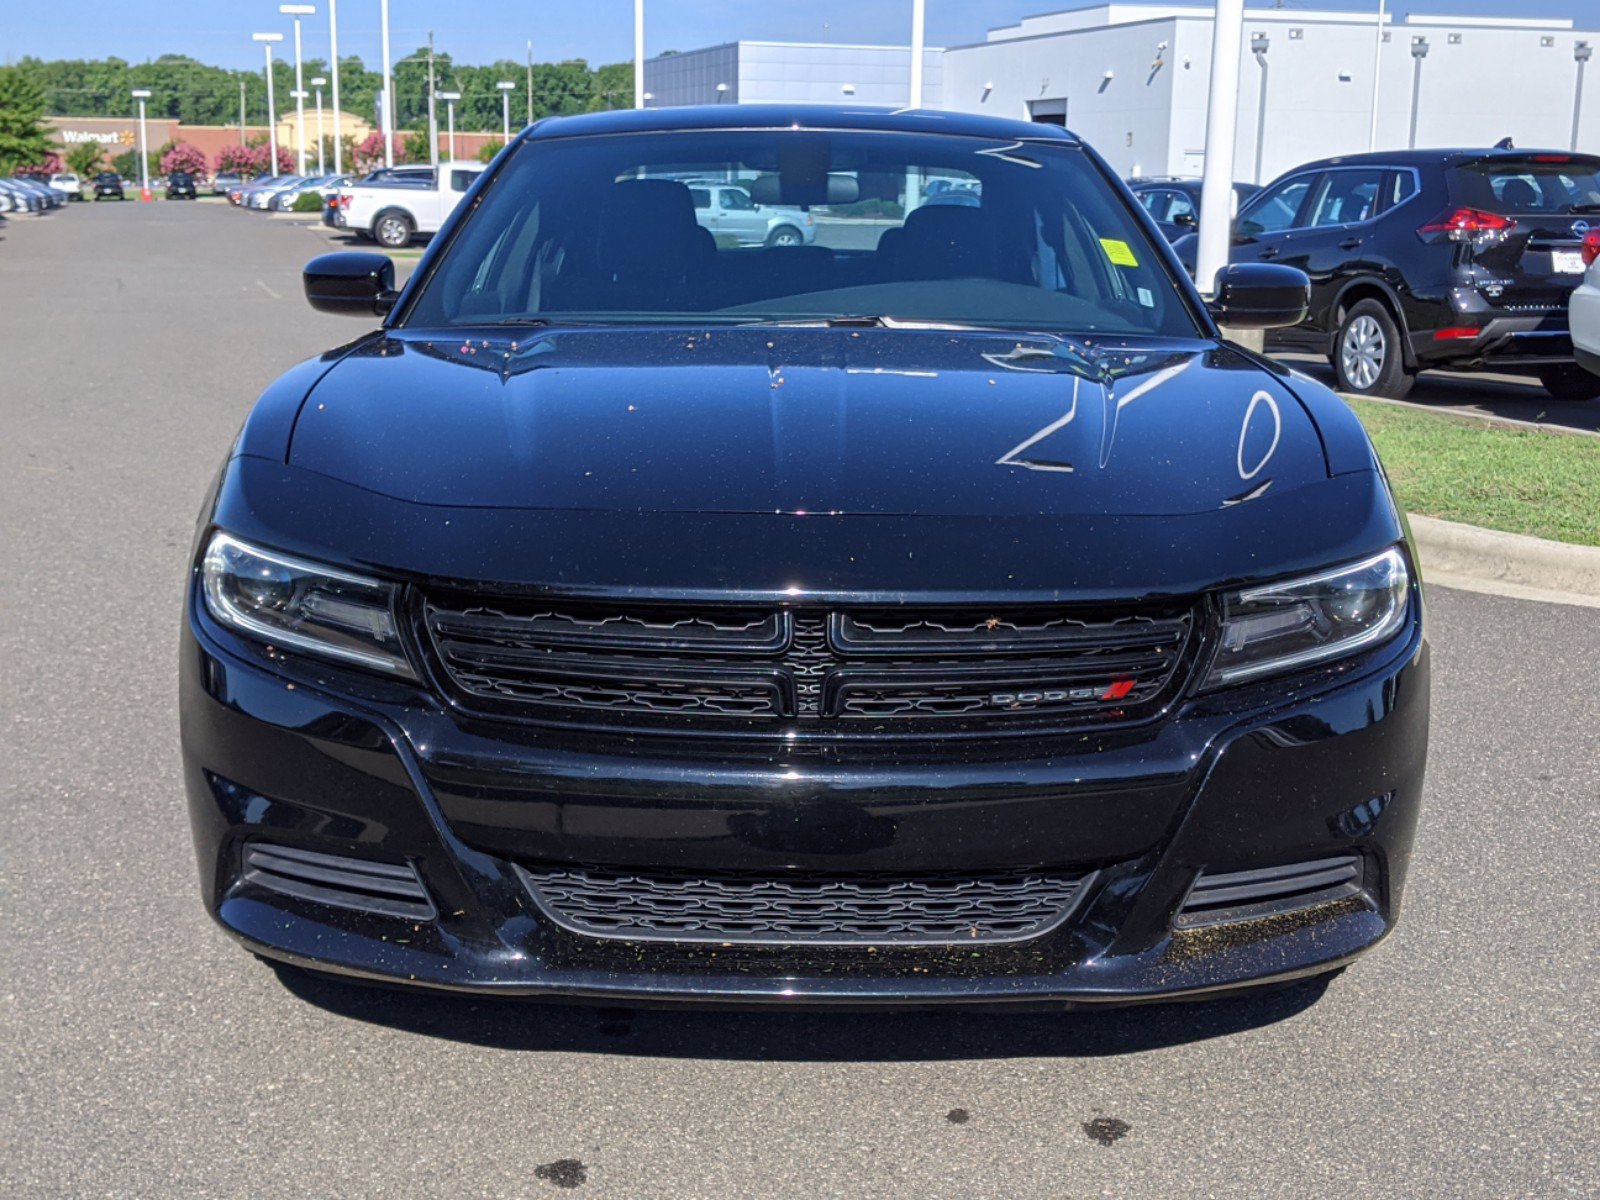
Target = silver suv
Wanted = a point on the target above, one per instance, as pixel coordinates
(727, 210)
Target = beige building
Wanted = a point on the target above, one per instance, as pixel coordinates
(289, 137)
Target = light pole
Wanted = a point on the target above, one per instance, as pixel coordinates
(1377, 76)
(266, 40)
(299, 97)
(638, 53)
(141, 95)
(450, 99)
(1258, 47)
(297, 11)
(722, 92)
(433, 111)
(388, 90)
(317, 83)
(1581, 54)
(1419, 51)
(506, 87)
(333, 58)
(1222, 124)
(918, 24)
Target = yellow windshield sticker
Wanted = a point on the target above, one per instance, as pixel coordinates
(1118, 252)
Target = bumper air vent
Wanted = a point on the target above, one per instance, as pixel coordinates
(1269, 891)
(389, 889)
(734, 907)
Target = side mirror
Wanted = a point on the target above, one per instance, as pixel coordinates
(1260, 296)
(351, 282)
(1185, 218)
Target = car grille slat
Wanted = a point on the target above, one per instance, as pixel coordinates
(847, 672)
(389, 889)
(1219, 897)
(736, 907)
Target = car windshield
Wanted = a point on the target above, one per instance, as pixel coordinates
(1541, 183)
(751, 226)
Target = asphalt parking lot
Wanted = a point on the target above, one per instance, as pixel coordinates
(146, 1055)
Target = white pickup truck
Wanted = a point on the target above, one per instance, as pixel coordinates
(393, 214)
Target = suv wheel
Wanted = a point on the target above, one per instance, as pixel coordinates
(392, 230)
(1570, 383)
(785, 235)
(1367, 358)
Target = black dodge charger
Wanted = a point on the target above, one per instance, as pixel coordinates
(943, 611)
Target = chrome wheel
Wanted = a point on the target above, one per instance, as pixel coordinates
(1362, 352)
(392, 231)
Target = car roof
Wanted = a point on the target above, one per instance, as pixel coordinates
(793, 116)
(1438, 157)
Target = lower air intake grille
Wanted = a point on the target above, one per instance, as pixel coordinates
(1249, 895)
(390, 889)
(860, 910)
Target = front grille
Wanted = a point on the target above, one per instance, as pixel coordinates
(735, 907)
(390, 889)
(844, 671)
(1269, 891)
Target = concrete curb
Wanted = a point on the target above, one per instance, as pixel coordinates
(1511, 564)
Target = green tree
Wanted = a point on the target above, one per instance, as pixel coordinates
(613, 87)
(195, 93)
(23, 136)
(83, 158)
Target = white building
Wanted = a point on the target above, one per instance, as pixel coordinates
(1133, 79)
(791, 73)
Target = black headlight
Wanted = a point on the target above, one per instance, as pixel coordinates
(290, 602)
(1286, 626)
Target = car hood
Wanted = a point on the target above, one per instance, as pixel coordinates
(805, 420)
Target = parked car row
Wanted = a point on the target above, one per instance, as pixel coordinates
(1426, 260)
(29, 194)
(391, 205)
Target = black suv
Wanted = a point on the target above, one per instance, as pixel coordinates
(1429, 259)
(180, 186)
(108, 183)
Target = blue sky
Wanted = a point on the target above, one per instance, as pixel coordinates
(218, 31)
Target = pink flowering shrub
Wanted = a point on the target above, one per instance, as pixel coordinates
(239, 159)
(184, 156)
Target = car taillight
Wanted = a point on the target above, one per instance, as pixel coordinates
(1591, 247)
(1465, 224)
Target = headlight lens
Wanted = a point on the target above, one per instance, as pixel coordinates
(291, 602)
(1285, 626)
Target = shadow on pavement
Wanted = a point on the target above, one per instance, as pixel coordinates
(799, 1035)
(1477, 394)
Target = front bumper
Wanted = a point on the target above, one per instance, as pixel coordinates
(295, 754)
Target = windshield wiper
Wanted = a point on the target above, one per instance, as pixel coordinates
(1588, 206)
(878, 321)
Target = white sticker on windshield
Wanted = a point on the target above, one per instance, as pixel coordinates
(1147, 298)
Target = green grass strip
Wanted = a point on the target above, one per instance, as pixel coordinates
(1481, 473)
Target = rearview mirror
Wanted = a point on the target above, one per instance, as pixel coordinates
(799, 191)
(1185, 218)
(1260, 296)
(351, 282)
